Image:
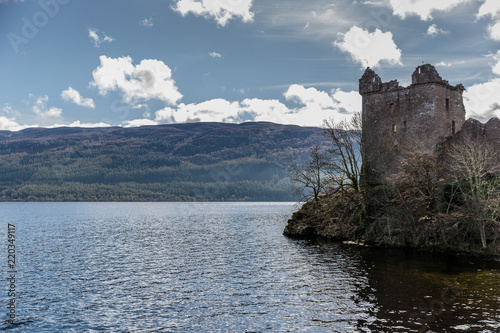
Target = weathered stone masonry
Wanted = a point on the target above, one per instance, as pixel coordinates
(398, 119)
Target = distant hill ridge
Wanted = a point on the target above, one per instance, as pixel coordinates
(192, 161)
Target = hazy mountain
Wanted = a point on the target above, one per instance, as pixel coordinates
(197, 161)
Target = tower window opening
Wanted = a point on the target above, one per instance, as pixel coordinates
(404, 125)
(447, 104)
(453, 127)
(394, 128)
(391, 106)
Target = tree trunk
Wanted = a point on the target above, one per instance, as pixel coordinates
(482, 233)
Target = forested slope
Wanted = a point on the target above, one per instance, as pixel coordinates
(198, 161)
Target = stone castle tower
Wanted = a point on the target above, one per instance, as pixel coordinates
(397, 120)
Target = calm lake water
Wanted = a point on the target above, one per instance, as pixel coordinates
(225, 267)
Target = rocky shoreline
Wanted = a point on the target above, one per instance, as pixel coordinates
(334, 217)
(341, 218)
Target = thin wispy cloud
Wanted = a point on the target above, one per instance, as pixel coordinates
(41, 109)
(147, 22)
(98, 40)
(215, 55)
(423, 8)
(306, 20)
(221, 11)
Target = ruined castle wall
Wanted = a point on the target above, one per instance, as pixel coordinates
(492, 133)
(398, 120)
(489, 133)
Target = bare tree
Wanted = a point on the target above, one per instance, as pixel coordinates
(418, 181)
(310, 176)
(474, 167)
(344, 167)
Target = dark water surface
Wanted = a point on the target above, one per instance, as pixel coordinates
(225, 267)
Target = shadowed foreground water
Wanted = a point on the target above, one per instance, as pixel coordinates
(225, 267)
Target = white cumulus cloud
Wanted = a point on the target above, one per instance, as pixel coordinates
(139, 122)
(433, 31)
(265, 110)
(76, 123)
(74, 96)
(10, 124)
(348, 101)
(150, 79)
(370, 49)
(215, 55)
(310, 107)
(423, 8)
(165, 114)
(494, 31)
(491, 8)
(315, 106)
(220, 10)
(41, 109)
(98, 40)
(482, 100)
(309, 97)
(212, 110)
(496, 67)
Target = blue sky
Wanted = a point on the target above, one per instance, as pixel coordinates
(130, 63)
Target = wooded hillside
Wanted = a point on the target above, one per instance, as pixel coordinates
(198, 161)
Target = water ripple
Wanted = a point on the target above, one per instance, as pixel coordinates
(212, 267)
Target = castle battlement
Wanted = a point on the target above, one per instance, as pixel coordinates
(397, 120)
(371, 83)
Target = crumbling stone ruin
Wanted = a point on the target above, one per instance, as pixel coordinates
(397, 120)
